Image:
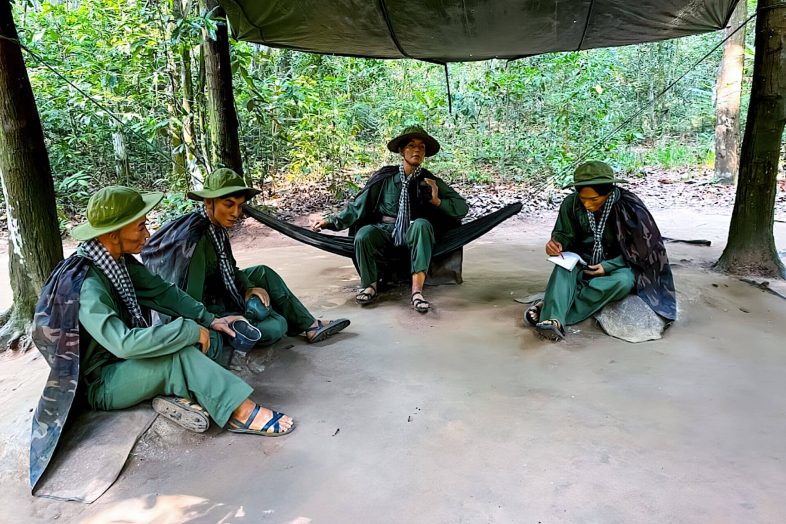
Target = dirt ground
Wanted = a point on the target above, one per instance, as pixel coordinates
(464, 415)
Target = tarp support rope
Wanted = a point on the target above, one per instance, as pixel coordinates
(583, 156)
(447, 83)
(154, 148)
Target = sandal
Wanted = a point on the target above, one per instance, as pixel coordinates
(183, 412)
(532, 313)
(324, 330)
(364, 299)
(551, 329)
(236, 426)
(420, 305)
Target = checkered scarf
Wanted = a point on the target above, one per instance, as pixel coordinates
(402, 218)
(117, 273)
(220, 239)
(598, 228)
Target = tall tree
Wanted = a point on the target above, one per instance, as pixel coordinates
(222, 115)
(34, 245)
(727, 93)
(751, 245)
(187, 83)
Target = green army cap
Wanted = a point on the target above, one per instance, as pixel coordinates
(432, 146)
(223, 182)
(593, 173)
(112, 208)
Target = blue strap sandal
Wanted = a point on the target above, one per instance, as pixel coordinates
(324, 330)
(236, 426)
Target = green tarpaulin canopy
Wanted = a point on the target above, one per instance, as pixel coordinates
(463, 30)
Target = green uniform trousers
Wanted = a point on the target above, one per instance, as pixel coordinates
(571, 297)
(374, 241)
(187, 373)
(287, 315)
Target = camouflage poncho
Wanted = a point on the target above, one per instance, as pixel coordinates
(56, 335)
(169, 251)
(642, 247)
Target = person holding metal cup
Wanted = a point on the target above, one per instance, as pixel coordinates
(194, 252)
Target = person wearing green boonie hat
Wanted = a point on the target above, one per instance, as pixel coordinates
(612, 231)
(401, 206)
(194, 251)
(593, 173)
(93, 326)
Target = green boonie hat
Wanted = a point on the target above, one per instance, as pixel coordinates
(112, 208)
(592, 173)
(432, 146)
(222, 182)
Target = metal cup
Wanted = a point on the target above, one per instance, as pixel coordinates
(246, 335)
(256, 310)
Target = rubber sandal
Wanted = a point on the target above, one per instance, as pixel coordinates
(364, 299)
(417, 303)
(534, 308)
(183, 412)
(551, 329)
(236, 426)
(325, 330)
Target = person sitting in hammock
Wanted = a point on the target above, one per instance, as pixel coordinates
(194, 252)
(613, 231)
(92, 324)
(400, 206)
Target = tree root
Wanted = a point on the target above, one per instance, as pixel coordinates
(763, 285)
(15, 333)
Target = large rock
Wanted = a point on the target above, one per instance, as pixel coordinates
(631, 319)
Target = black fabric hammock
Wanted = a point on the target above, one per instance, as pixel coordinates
(344, 245)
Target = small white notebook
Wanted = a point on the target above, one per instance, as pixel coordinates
(568, 260)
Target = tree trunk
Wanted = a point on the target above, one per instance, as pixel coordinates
(751, 245)
(34, 245)
(727, 95)
(177, 152)
(122, 166)
(222, 117)
(189, 132)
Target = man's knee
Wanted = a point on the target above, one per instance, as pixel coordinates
(420, 232)
(624, 281)
(364, 236)
(191, 354)
(259, 272)
(421, 226)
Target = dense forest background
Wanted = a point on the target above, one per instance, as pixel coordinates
(309, 117)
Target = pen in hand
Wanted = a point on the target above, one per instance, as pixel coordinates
(560, 255)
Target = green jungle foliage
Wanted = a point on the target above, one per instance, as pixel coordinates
(312, 117)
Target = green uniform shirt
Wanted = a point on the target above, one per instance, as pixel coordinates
(452, 203)
(205, 283)
(572, 230)
(107, 336)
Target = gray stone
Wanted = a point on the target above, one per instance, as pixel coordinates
(631, 319)
(530, 298)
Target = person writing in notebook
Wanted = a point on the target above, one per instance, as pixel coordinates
(613, 231)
